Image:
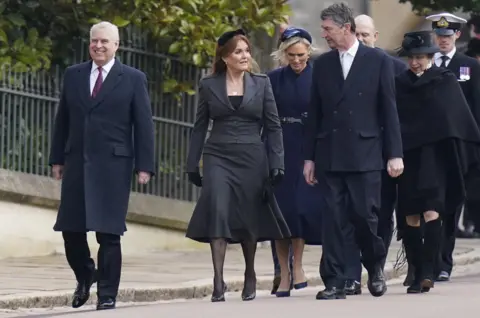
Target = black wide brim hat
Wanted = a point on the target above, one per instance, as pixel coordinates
(419, 42)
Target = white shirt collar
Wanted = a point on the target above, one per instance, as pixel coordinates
(352, 51)
(450, 54)
(107, 67)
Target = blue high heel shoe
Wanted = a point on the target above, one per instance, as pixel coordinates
(301, 285)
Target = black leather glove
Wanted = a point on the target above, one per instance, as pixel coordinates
(195, 178)
(276, 176)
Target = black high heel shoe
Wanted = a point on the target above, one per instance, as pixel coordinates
(247, 294)
(219, 296)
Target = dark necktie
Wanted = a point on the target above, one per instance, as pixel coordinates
(444, 61)
(98, 83)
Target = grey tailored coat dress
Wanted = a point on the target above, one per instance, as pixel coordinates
(100, 141)
(236, 202)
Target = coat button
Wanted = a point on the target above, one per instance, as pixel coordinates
(334, 130)
(360, 94)
(335, 112)
(350, 112)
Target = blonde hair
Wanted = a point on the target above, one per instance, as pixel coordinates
(280, 54)
(254, 67)
(111, 28)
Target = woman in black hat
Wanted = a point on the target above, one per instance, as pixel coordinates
(441, 143)
(236, 204)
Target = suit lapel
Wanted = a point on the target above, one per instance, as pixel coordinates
(249, 89)
(110, 82)
(84, 86)
(454, 65)
(219, 89)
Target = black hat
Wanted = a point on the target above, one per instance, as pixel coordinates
(291, 32)
(446, 23)
(418, 42)
(473, 48)
(225, 37)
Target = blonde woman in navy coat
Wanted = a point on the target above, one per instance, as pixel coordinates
(300, 203)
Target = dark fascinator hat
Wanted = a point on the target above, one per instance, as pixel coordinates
(227, 36)
(418, 42)
(291, 32)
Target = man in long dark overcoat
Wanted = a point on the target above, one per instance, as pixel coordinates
(103, 132)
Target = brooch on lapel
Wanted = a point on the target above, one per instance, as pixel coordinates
(464, 73)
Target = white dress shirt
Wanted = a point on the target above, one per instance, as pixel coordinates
(94, 73)
(347, 57)
(438, 57)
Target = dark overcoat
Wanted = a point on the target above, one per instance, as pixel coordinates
(100, 141)
(471, 90)
(353, 123)
(301, 204)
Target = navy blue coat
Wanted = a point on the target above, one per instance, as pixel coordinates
(100, 141)
(301, 204)
(346, 117)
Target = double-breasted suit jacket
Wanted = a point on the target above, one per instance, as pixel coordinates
(100, 141)
(235, 162)
(353, 122)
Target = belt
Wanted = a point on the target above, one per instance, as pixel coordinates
(293, 120)
(290, 120)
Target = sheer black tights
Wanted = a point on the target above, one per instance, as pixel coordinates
(219, 248)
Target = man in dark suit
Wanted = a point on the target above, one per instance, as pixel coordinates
(447, 29)
(367, 34)
(353, 98)
(103, 131)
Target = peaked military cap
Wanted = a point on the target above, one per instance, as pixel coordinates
(446, 23)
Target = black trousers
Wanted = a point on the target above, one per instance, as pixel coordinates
(109, 260)
(447, 242)
(385, 228)
(351, 198)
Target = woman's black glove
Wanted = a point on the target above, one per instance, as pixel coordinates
(195, 178)
(276, 176)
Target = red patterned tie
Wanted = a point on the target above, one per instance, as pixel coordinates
(98, 83)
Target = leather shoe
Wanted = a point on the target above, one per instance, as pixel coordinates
(443, 277)
(331, 293)
(82, 292)
(352, 287)
(376, 283)
(105, 303)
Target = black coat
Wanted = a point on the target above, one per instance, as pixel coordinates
(346, 117)
(439, 134)
(432, 108)
(471, 87)
(100, 142)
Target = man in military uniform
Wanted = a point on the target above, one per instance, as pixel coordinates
(447, 29)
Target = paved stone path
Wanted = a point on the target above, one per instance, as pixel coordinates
(26, 282)
(446, 300)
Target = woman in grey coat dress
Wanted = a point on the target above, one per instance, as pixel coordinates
(237, 204)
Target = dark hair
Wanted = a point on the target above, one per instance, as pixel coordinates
(223, 51)
(340, 14)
